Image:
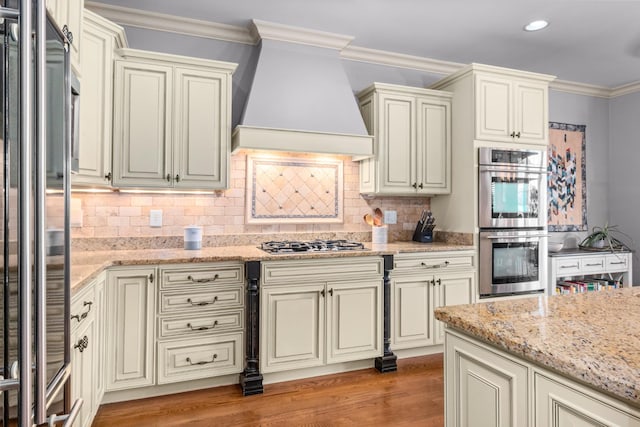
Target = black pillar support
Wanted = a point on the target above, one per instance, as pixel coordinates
(251, 378)
(388, 361)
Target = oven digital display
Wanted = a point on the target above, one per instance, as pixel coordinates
(515, 262)
(513, 198)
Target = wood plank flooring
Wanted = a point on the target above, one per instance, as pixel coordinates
(413, 396)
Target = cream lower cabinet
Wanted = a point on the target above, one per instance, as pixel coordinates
(100, 37)
(130, 328)
(318, 312)
(420, 282)
(172, 121)
(486, 386)
(200, 321)
(412, 139)
(483, 388)
(87, 347)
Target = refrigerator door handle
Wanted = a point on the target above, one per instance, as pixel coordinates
(68, 418)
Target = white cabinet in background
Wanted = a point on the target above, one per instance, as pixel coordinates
(130, 328)
(69, 13)
(412, 140)
(590, 265)
(319, 312)
(100, 37)
(421, 282)
(172, 123)
(87, 348)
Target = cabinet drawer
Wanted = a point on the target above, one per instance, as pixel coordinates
(431, 262)
(568, 266)
(617, 262)
(205, 275)
(592, 264)
(197, 300)
(186, 360)
(199, 325)
(276, 272)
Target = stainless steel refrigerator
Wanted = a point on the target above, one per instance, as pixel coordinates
(35, 116)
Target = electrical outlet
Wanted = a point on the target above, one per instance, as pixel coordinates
(390, 217)
(155, 218)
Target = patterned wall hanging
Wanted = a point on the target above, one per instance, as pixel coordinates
(567, 177)
(294, 190)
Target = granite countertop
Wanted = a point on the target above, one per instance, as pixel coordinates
(593, 338)
(85, 265)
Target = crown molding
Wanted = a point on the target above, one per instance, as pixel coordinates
(287, 33)
(392, 59)
(580, 88)
(627, 89)
(171, 23)
(267, 30)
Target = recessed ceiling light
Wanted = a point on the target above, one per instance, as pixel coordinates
(536, 25)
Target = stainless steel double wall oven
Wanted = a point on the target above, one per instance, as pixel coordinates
(512, 186)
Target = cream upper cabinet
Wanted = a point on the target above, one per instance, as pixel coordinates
(508, 106)
(172, 121)
(70, 13)
(511, 109)
(100, 38)
(412, 139)
(421, 282)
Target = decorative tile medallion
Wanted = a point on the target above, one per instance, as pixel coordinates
(294, 190)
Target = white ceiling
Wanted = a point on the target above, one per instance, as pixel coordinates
(588, 41)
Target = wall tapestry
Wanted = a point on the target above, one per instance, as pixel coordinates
(567, 180)
(294, 190)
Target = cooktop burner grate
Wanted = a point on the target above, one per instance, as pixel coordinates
(289, 246)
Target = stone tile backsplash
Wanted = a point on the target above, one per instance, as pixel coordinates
(108, 215)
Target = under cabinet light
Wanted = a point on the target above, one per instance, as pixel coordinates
(536, 25)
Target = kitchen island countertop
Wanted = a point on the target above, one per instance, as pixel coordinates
(592, 338)
(86, 265)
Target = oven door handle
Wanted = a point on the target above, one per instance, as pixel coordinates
(515, 170)
(513, 236)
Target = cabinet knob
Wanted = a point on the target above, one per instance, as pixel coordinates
(108, 176)
(322, 293)
(439, 282)
(518, 135)
(331, 291)
(168, 177)
(420, 186)
(415, 185)
(512, 134)
(177, 178)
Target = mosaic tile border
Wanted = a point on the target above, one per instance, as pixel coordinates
(259, 181)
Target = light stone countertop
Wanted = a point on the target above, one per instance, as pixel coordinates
(593, 338)
(86, 265)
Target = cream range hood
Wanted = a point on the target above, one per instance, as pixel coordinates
(301, 99)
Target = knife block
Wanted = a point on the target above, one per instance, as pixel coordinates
(422, 236)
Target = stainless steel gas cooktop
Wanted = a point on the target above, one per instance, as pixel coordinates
(288, 246)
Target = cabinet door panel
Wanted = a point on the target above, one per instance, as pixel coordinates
(95, 107)
(433, 147)
(483, 388)
(493, 108)
(398, 153)
(130, 329)
(142, 129)
(412, 308)
(354, 321)
(453, 289)
(201, 130)
(531, 112)
(292, 326)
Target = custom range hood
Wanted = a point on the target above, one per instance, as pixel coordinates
(301, 99)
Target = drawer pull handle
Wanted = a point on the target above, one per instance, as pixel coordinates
(201, 303)
(594, 265)
(202, 328)
(81, 317)
(444, 264)
(617, 263)
(82, 344)
(569, 266)
(194, 280)
(202, 362)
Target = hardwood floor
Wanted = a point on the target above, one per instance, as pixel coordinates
(413, 396)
